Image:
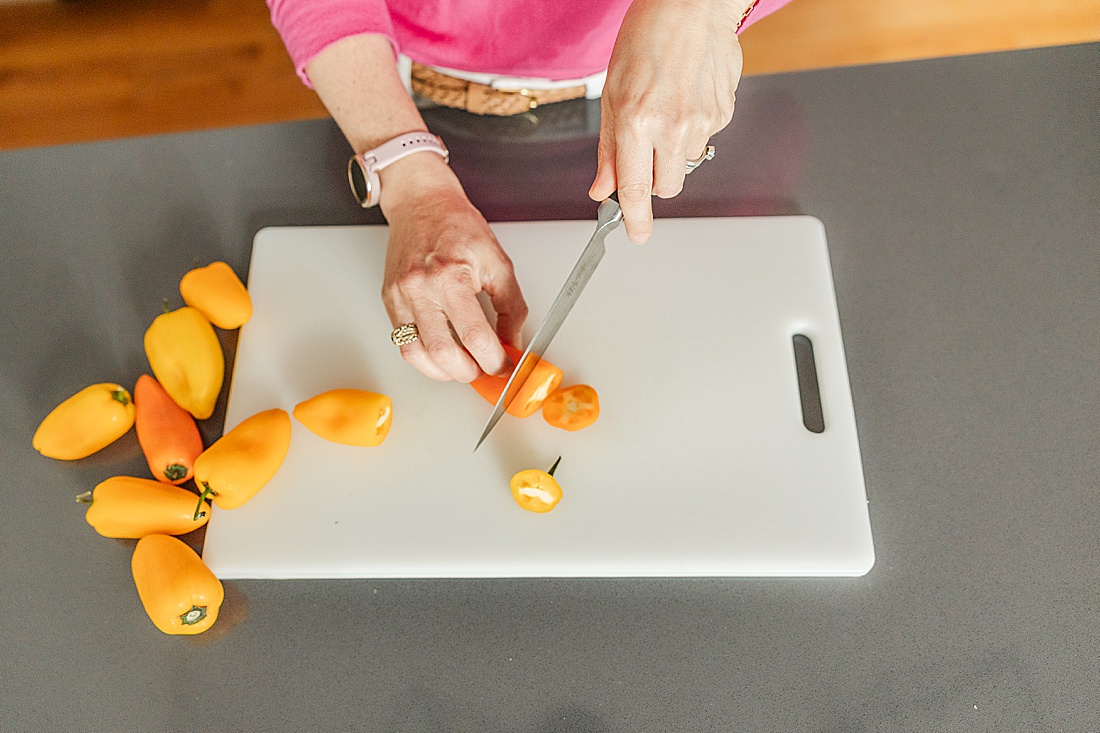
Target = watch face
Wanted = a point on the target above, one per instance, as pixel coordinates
(360, 183)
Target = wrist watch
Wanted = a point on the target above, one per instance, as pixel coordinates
(363, 168)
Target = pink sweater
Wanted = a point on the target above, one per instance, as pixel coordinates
(558, 39)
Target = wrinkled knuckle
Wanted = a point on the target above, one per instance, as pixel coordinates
(477, 339)
(440, 352)
(453, 279)
(634, 192)
(680, 128)
(411, 283)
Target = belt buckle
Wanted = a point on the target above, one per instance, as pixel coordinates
(532, 103)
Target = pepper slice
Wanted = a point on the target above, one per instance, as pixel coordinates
(128, 507)
(348, 416)
(90, 420)
(572, 408)
(535, 490)
(543, 380)
(180, 594)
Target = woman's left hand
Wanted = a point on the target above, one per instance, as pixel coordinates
(670, 86)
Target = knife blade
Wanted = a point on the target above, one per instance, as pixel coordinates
(609, 217)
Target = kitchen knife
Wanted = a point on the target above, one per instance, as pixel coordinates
(609, 217)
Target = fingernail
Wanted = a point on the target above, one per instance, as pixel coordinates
(639, 238)
(506, 370)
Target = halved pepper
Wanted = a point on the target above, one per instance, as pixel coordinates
(167, 433)
(186, 357)
(241, 462)
(217, 293)
(89, 421)
(349, 416)
(129, 507)
(180, 594)
(543, 380)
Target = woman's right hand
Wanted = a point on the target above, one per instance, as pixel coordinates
(441, 254)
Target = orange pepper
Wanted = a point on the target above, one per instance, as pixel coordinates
(535, 490)
(217, 293)
(186, 357)
(129, 507)
(90, 420)
(241, 462)
(180, 594)
(572, 408)
(543, 380)
(349, 416)
(167, 433)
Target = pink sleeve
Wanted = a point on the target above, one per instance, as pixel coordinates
(762, 9)
(308, 26)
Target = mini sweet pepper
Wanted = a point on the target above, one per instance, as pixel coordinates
(168, 435)
(129, 507)
(217, 293)
(186, 358)
(90, 420)
(180, 594)
(543, 380)
(241, 462)
(349, 416)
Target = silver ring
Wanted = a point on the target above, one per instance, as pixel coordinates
(404, 334)
(707, 155)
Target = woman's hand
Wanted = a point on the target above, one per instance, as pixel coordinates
(441, 254)
(670, 87)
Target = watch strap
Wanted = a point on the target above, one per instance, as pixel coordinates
(363, 167)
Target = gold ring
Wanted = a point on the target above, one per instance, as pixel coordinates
(707, 155)
(404, 334)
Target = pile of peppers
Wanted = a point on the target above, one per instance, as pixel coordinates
(179, 593)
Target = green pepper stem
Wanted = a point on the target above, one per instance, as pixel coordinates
(85, 498)
(206, 491)
(554, 467)
(120, 396)
(175, 471)
(193, 616)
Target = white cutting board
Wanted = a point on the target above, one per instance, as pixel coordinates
(699, 464)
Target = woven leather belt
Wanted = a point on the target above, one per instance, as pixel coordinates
(482, 99)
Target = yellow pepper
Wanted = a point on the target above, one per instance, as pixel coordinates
(535, 490)
(129, 507)
(187, 359)
(217, 293)
(349, 416)
(91, 419)
(178, 591)
(241, 462)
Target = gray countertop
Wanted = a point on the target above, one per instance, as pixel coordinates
(962, 203)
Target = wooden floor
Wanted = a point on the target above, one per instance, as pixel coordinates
(78, 71)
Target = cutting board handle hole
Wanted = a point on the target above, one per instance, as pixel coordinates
(809, 393)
